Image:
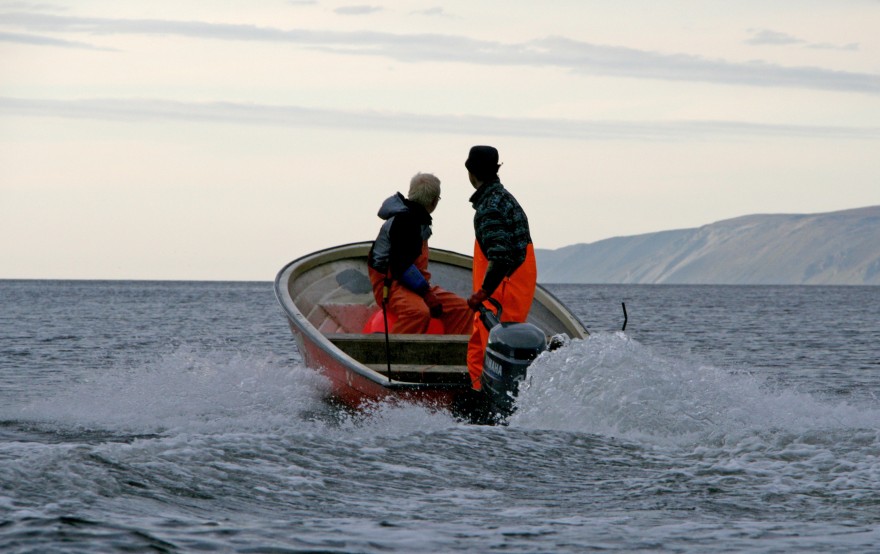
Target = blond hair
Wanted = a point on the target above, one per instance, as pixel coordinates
(424, 188)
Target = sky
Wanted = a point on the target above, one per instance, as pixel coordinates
(218, 140)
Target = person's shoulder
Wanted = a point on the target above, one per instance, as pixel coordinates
(499, 193)
(408, 218)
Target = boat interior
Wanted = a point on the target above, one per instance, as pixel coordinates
(337, 299)
(333, 292)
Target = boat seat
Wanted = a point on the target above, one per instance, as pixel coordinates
(421, 350)
(434, 374)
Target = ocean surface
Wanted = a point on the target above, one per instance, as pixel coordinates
(178, 417)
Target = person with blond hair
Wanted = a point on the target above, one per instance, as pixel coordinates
(398, 260)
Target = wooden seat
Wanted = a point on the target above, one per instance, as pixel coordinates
(405, 349)
(455, 374)
(414, 358)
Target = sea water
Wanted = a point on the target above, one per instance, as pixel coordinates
(178, 417)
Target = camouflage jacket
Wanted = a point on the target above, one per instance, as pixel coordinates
(502, 231)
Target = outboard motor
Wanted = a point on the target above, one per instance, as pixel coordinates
(511, 349)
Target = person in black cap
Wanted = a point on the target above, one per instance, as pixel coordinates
(504, 257)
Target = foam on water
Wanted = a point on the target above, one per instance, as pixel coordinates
(394, 419)
(731, 433)
(184, 391)
(196, 391)
(611, 384)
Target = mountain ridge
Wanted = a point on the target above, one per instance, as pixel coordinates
(830, 248)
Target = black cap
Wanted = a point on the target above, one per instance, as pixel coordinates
(482, 161)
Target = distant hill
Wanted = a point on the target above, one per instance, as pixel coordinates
(836, 248)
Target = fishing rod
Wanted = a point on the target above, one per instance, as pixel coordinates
(385, 318)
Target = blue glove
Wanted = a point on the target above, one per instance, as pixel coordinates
(413, 279)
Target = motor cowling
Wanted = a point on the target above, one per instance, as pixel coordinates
(512, 347)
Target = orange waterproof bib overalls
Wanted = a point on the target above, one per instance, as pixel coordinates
(515, 293)
(413, 315)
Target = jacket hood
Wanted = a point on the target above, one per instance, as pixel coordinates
(392, 206)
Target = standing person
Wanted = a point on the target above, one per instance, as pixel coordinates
(504, 258)
(399, 260)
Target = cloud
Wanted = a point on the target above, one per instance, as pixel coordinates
(32, 6)
(49, 41)
(627, 62)
(357, 10)
(436, 11)
(576, 56)
(852, 46)
(765, 37)
(148, 111)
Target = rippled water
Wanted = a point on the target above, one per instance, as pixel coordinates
(177, 417)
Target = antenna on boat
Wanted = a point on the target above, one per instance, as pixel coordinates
(385, 317)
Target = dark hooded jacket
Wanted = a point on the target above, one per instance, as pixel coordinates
(407, 226)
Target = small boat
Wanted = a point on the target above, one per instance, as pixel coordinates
(329, 303)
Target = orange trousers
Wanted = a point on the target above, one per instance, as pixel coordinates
(515, 293)
(412, 313)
